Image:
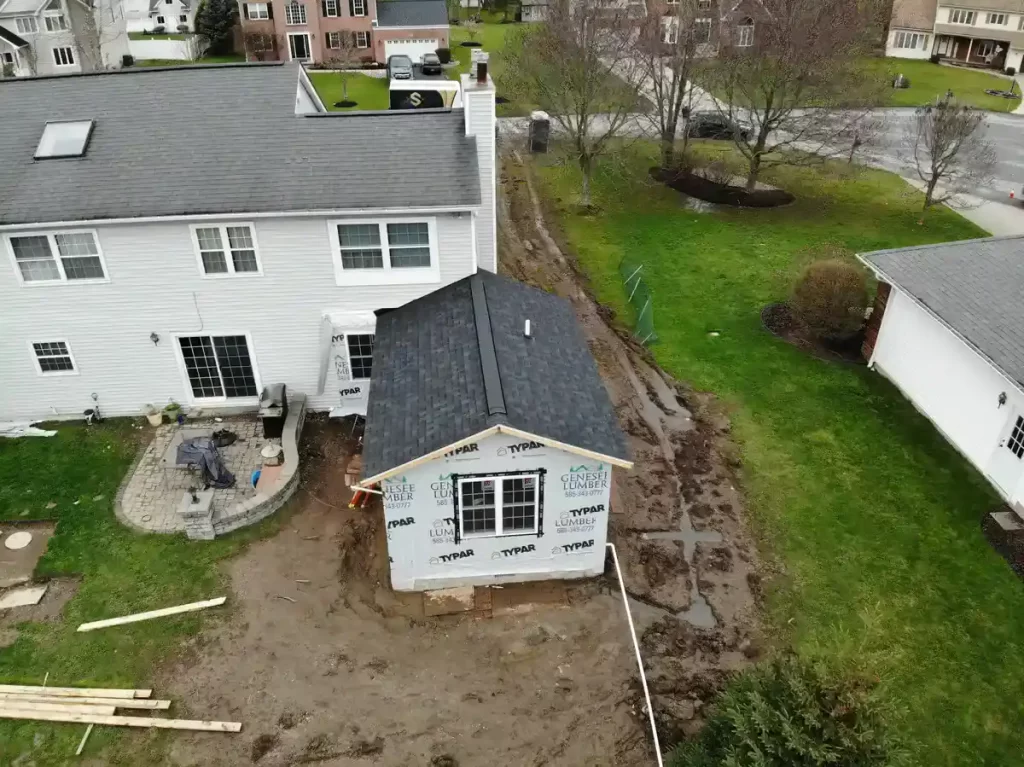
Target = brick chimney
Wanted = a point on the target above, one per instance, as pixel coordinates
(479, 105)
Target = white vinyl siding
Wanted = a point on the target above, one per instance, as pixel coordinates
(41, 258)
(157, 287)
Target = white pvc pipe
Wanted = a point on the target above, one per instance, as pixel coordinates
(639, 660)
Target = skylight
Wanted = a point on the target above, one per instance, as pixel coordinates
(64, 139)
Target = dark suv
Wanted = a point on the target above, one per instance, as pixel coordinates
(431, 64)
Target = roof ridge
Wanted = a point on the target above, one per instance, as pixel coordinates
(488, 356)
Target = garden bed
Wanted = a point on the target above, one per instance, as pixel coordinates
(720, 194)
(779, 320)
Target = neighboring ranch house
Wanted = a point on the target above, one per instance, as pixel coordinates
(257, 246)
(981, 33)
(948, 330)
(492, 437)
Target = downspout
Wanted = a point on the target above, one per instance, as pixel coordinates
(639, 660)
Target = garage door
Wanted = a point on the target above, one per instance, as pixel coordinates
(414, 49)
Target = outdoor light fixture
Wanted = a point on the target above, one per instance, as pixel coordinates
(1002, 398)
(154, 338)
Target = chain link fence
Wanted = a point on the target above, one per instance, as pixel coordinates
(640, 297)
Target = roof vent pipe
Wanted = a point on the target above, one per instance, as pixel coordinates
(526, 329)
(481, 72)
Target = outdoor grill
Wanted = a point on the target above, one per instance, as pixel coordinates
(273, 410)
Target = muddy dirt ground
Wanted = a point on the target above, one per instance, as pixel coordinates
(324, 664)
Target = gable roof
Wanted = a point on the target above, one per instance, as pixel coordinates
(155, 5)
(456, 362)
(974, 287)
(412, 13)
(22, 7)
(221, 139)
(914, 14)
(8, 36)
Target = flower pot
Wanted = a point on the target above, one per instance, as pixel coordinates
(155, 419)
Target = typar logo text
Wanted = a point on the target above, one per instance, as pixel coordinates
(581, 520)
(443, 530)
(519, 447)
(466, 451)
(515, 551)
(445, 559)
(404, 522)
(580, 547)
(585, 480)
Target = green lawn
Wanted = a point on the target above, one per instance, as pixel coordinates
(368, 92)
(233, 59)
(928, 81)
(492, 38)
(873, 516)
(121, 572)
(167, 36)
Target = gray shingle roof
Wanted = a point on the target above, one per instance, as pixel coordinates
(220, 139)
(12, 38)
(21, 7)
(428, 388)
(974, 286)
(412, 13)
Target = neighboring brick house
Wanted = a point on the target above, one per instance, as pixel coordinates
(716, 22)
(310, 30)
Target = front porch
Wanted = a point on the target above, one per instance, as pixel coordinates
(972, 52)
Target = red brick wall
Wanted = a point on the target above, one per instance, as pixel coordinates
(875, 323)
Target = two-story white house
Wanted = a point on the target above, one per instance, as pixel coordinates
(170, 15)
(44, 37)
(982, 33)
(255, 247)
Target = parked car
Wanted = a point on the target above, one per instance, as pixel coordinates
(431, 64)
(399, 67)
(714, 126)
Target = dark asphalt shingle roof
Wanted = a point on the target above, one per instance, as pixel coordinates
(220, 139)
(12, 38)
(975, 286)
(412, 13)
(428, 387)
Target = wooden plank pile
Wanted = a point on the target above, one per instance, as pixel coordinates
(95, 705)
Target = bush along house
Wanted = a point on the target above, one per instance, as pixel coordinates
(491, 437)
(256, 247)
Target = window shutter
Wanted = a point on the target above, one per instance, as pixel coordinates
(351, 8)
(270, 9)
(245, 10)
(323, 8)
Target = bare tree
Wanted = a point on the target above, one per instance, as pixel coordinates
(667, 50)
(195, 46)
(261, 46)
(345, 58)
(792, 80)
(565, 66)
(97, 24)
(948, 148)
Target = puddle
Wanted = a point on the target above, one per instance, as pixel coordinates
(699, 612)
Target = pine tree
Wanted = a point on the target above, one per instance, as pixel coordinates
(215, 20)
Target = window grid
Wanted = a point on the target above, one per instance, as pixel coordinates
(959, 16)
(331, 6)
(218, 366)
(496, 506)
(235, 366)
(360, 355)
(63, 57)
(1015, 444)
(295, 13)
(360, 246)
(409, 245)
(362, 40)
(996, 18)
(258, 11)
(55, 22)
(26, 25)
(358, 7)
(911, 40)
(334, 40)
(53, 357)
(227, 250)
(58, 257)
(405, 245)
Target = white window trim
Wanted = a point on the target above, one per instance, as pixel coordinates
(386, 276)
(288, 16)
(53, 373)
(996, 15)
(740, 29)
(337, 9)
(332, 36)
(50, 236)
(55, 15)
(309, 45)
(348, 352)
(257, 16)
(56, 63)
(190, 397)
(30, 22)
(193, 229)
(362, 40)
(956, 16)
(357, 3)
(498, 530)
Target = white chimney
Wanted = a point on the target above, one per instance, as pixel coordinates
(479, 107)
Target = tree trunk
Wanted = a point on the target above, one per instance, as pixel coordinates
(929, 191)
(344, 87)
(585, 171)
(755, 170)
(668, 152)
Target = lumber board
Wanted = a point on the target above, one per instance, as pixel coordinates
(7, 697)
(71, 708)
(76, 692)
(81, 743)
(122, 721)
(191, 607)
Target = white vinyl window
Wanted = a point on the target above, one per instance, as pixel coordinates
(53, 358)
(493, 506)
(64, 56)
(372, 252)
(362, 39)
(960, 16)
(911, 40)
(295, 13)
(161, 20)
(360, 354)
(63, 257)
(358, 7)
(996, 18)
(702, 31)
(258, 11)
(226, 249)
(334, 40)
(670, 29)
(53, 17)
(745, 34)
(26, 25)
(219, 367)
(331, 8)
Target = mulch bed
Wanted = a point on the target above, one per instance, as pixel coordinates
(345, 104)
(470, 44)
(720, 194)
(1009, 545)
(779, 320)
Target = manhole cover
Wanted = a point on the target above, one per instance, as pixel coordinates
(18, 540)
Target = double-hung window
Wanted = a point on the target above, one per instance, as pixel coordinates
(258, 11)
(295, 13)
(330, 8)
(996, 18)
(26, 25)
(960, 16)
(53, 358)
(357, 7)
(381, 252)
(360, 355)
(745, 34)
(702, 31)
(362, 39)
(63, 257)
(64, 56)
(53, 17)
(228, 249)
(499, 505)
(334, 40)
